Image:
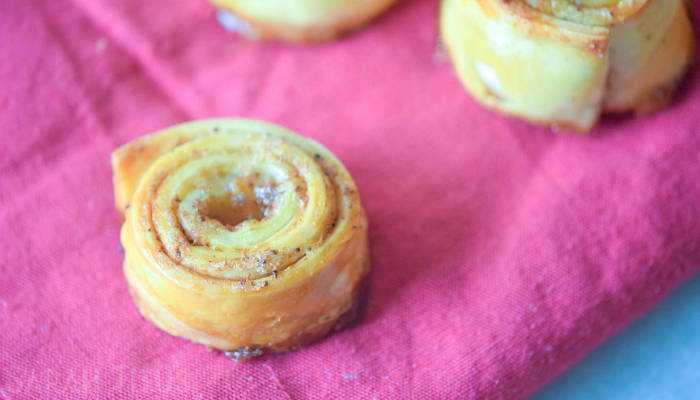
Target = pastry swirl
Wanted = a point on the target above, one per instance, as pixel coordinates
(302, 21)
(240, 235)
(565, 62)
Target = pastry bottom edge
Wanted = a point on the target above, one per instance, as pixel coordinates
(168, 323)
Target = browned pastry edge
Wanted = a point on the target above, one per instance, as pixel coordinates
(552, 125)
(352, 317)
(349, 318)
(542, 10)
(654, 100)
(261, 31)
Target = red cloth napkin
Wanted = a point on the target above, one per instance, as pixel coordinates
(502, 253)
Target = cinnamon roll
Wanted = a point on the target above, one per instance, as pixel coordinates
(565, 62)
(240, 235)
(302, 21)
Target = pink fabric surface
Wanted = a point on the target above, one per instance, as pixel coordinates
(502, 253)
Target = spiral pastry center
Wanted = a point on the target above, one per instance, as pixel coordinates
(232, 206)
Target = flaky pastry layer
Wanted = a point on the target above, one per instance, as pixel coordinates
(565, 62)
(240, 235)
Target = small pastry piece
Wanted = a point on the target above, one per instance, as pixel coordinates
(240, 235)
(564, 62)
(302, 21)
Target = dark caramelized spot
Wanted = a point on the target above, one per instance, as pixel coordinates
(244, 352)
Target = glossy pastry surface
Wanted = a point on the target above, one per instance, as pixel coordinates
(565, 62)
(239, 234)
(303, 21)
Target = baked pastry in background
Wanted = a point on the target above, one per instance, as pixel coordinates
(240, 235)
(302, 21)
(564, 62)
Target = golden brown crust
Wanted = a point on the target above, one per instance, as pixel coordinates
(240, 234)
(649, 103)
(348, 319)
(535, 22)
(603, 14)
(351, 316)
(562, 63)
(553, 124)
